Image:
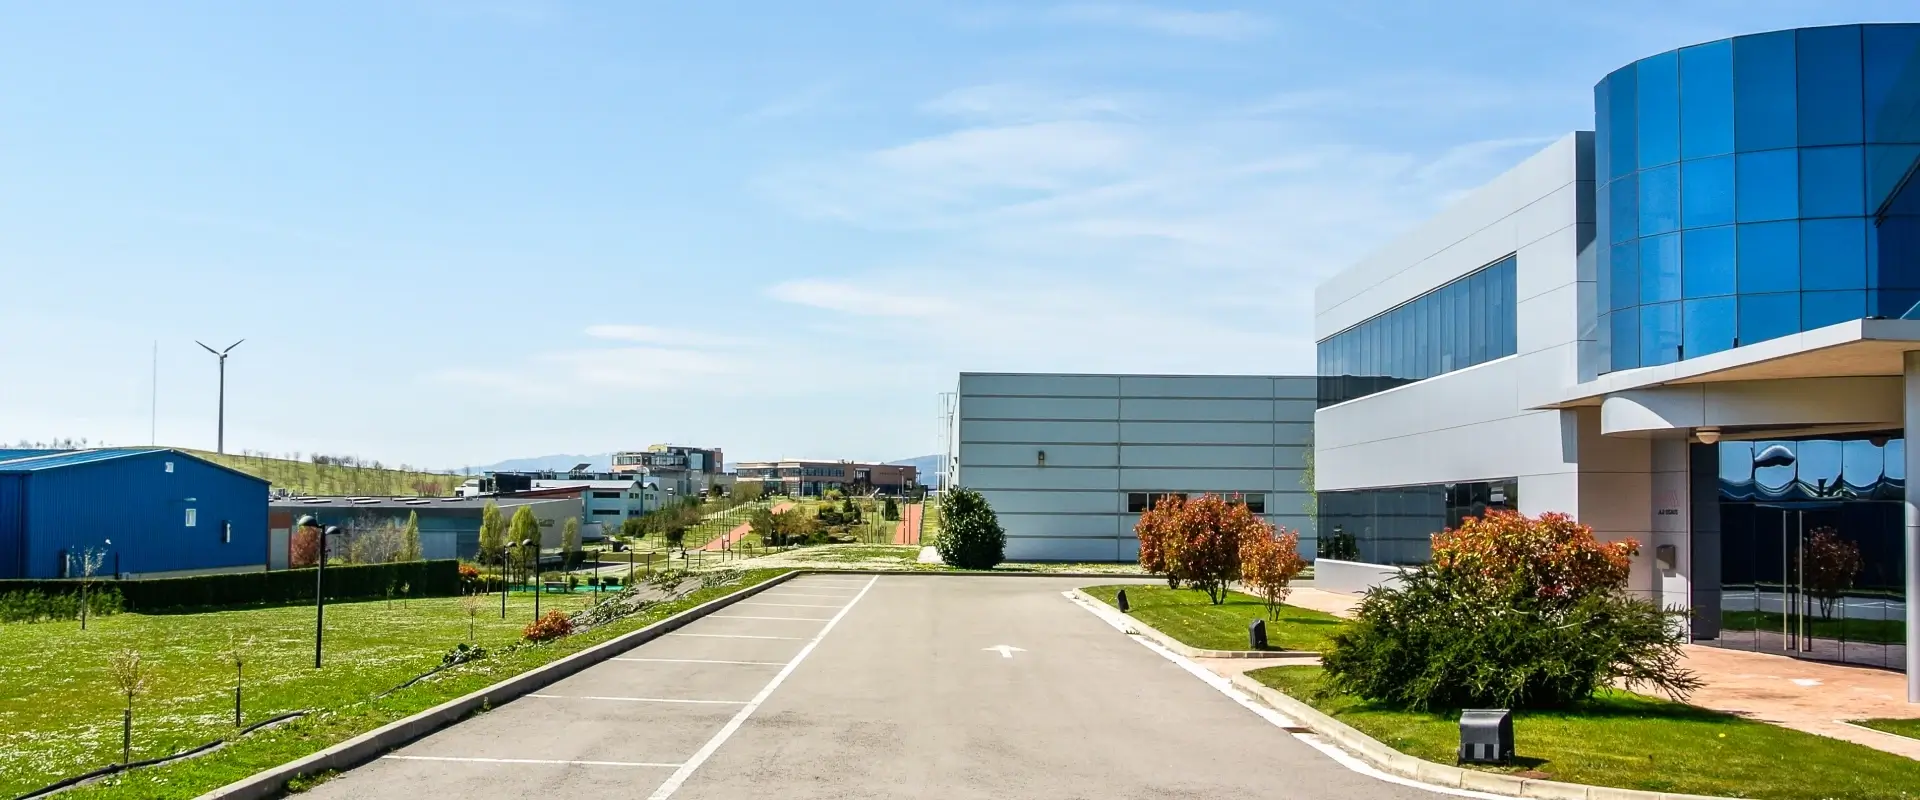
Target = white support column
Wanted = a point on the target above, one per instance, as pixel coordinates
(1911, 371)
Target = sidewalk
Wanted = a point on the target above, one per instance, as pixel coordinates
(733, 537)
(909, 530)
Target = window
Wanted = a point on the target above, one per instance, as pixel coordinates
(1766, 186)
(1708, 256)
(1466, 322)
(1833, 182)
(1769, 258)
(1659, 126)
(193, 517)
(1768, 316)
(606, 495)
(1833, 254)
(1660, 200)
(1764, 78)
(1829, 58)
(1395, 525)
(1708, 325)
(1660, 268)
(1706, 196)
(1623, 101)
(1706, 100)
(606, 512)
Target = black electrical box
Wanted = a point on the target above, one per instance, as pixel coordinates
(1486, 736)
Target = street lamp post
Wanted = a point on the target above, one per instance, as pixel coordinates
(320, 590)
(503, 579)
(535, 544)
(220, 443)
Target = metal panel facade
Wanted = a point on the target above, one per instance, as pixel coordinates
(13, 525)
(162, 511)
(1058, 455)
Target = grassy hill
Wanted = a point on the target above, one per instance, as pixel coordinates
(302, 477)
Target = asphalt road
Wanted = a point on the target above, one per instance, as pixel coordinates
(902, 697)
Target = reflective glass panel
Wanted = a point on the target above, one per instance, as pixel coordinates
(1886, 165)
(1602, 134)
(1707, 258)
(1820, 309)
(1832, 182)
(1833, 254)
(1659, 122)
(1624, 327)
(1660, 200)
(1708, 325)
(1624, 222)
(1829, 76)
(1507, 323)
(1706, 192)
(1706, 99)
(1623, 98)
(1893, 303)
(1659, 334)
(1766, 186)
(1769, 254)
(1765, 86)
(1625, 281)
(1660, 268)
(1768, 316)
(1892, 83)
(1477, 341)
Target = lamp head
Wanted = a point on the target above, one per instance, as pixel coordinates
(1707, 435)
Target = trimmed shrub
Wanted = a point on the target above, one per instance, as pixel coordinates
(1512, 612)
(348, 582)
(1198, 541)
(971, 536)
(550, 626)
(63, 604)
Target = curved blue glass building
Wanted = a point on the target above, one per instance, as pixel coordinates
(1751, 188)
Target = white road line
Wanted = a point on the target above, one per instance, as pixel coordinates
(707, 750)
(785, 605)
(1279, 720)
(777, 619)
(827, 583)
(700, 661)
(734, 636)
(661, 765)
(797, 594)
(638, 699)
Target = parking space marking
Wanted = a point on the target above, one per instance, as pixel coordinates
(776, 619)
(786, 605)
(734, 636)
(706, 751)
(660, 765)
(700, 661)
(797, 594)
(638, 699)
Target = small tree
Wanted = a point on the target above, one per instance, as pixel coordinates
(1268, 565)
(493, 532)
(890, 511)
(676, 535)
(1199, 540)
(633, 528)
(410, 547)
(235, 653)
(971, 535)
(1832, 563)
(569, 542)
(303, 549)
(471, 605)
(85, 564)
(526, 528)
(129, 674)
(1151, 530)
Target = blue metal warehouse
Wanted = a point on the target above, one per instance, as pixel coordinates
(163, 510)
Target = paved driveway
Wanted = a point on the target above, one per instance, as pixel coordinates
(904, 695)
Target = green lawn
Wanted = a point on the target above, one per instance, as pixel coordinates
(1909, 728)
(1186, 615)
(1882, 631)
(305, 477)
(62, 716)
(1634, 742)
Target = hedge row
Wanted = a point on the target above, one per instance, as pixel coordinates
(345, 582)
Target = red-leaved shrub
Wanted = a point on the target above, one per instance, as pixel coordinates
(553, 625)
(1552, 557)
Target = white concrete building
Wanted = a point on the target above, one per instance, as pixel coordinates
(1068, 462)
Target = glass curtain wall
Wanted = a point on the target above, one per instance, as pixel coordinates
(1469, 321)
(1739, 183)
(1396, 525)
(1811, 549)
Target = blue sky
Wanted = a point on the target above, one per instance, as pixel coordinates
(456, 232)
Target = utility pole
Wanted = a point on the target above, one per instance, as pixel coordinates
(220, 445)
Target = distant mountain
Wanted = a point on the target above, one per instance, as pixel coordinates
(927, 468)
(596, 463)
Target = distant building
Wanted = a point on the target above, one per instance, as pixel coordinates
(449, 526)
(802, 477)
(149, 511)
(608, 498)
(681, 471)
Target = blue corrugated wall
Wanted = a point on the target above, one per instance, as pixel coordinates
(142, 507)
(13, 525)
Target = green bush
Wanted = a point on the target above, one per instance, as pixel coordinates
(34, 605)
(350, 582)
(971, 536)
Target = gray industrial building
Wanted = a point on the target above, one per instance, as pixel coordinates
(1069, 461)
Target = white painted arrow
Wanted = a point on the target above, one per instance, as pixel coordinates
(1006, 650)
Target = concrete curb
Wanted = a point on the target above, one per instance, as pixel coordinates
(1390, 760)
(370, 745)
(1192, 652)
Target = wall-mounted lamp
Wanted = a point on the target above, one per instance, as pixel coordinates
(1707, 435)
(1041, 457)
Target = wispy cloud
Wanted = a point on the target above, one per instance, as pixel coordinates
(795, 103)
(653, 334)
(1171, 22)
(1014, 103)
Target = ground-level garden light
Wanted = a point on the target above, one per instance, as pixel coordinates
(1257, 634)
(1486, 736)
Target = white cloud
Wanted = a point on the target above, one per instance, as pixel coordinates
(1012, 102)
(1171, 22)
(652, 334)
(857, 299)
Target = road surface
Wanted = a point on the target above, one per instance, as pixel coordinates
(908, 694)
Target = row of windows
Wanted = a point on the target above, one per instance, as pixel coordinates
(1138, 502)
(1663, 333)
(1466, 322)
(1396, 526)
(1808, 183)
(1810, 87)
(1791, 256)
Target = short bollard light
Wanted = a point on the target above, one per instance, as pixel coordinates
(1120, 599)
(1486, 736)
(1257, 634)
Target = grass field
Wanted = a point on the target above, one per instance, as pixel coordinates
(62, 715)
(1186, 615)
(1634, 742)
(301, 477)
(1909, 728)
